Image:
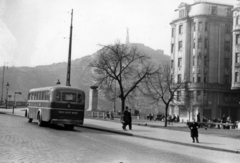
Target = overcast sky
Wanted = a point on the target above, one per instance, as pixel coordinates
(36, 32)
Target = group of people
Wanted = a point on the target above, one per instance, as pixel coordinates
(126, 119)
(110, 115)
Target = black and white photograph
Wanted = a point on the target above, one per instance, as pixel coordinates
(119, 81)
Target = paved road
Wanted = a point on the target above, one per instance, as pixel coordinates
(25, 142)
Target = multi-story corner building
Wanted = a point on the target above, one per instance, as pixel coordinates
(236, 48)
(201, 56)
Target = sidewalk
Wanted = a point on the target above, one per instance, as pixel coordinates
(159, 134)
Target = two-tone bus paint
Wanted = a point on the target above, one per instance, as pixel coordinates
(57, 105)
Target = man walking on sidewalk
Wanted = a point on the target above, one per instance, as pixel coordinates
(125, 118)
(194, 131)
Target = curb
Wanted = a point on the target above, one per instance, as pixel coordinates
(149, 138)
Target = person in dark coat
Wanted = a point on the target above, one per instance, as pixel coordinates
(198, 117)
(125, 118)
(130, 119)
(194, 131)
(224, 120)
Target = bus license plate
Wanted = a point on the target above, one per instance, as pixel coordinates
(68, 112)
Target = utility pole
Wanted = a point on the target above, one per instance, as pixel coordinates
(69, 54)
(3, 82)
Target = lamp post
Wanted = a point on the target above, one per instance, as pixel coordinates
(58, 82)
(7, 87)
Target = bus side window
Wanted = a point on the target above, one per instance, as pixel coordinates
(35, 95)
(47, 95)
(43, 95)
(40, 95)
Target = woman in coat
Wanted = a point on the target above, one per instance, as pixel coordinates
(194, 131)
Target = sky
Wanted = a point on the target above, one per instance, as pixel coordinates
(36, 32)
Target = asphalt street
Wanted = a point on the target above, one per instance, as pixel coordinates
(25, 142)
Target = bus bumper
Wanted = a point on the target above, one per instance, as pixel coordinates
(67, 121)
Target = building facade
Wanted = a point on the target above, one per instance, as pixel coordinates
(236, 48)
(201, 57)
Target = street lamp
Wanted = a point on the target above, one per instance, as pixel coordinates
(7, 87)
(58, 82)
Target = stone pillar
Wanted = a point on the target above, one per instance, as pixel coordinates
(93, 98)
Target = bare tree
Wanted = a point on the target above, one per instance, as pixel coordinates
(122, 64)
(160, 87)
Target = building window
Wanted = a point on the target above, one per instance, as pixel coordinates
(238, 20)
(205, 79)
(193, 79)
(194, 44)
(198, 95)
(173, 32)
(228, 29)
(172, 63)
(181, 13)
(227, 46)
(226, 79)
(198, 62)
(236, 77)
(180, 45)
(178, 95)
(180, 29)
(214, 10)
(179, 62)
(206, 26)
(228, 12)
(200, 26)
(205, 61)
(193, 60)
(194, 26)
(199, 43)
(238, 39)
(179, 78)
(226, 63)
(199, 78)
(226, 97)
(237, 59)
(172, 48)
(206, 43)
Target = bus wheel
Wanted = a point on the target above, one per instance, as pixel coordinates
(27, 115)
(39, 118)
(69, 127)
(30, 120)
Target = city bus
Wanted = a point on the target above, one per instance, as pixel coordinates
(56, 105)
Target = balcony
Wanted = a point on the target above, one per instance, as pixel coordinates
(208, 86)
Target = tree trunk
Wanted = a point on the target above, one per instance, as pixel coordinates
(123, 104)
(166, 113)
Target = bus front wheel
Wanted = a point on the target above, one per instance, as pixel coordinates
(39, 118)
(69, 127)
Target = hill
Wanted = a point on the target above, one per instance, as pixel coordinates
(25, 78)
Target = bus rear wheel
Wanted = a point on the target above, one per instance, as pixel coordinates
(69, 127)
(39, 118)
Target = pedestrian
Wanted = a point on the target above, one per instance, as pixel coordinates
(111, 115)
(198, 117)
(125, 119)
(194, 131)
(130, 119)
(224, 121)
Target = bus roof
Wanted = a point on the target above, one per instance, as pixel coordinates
(53, 88)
